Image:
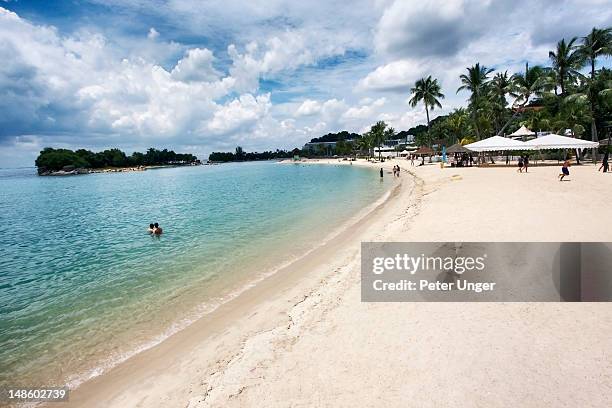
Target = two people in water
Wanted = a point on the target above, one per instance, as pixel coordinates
(155, 229)
(396, 171)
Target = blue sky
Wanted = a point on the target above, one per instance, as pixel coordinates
(199, 76)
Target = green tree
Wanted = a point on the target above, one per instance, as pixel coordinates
(377, 132)
(596, 44)
(566, 61)
(428, 91)
(502, 84)
(476, 81)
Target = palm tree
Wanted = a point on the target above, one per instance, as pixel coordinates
(476, 81)
(365, 143)
(533, 82)
(501, 85)
(566, 61)
(596, 44)
(457, 123)
(377, 133)
(428, 91)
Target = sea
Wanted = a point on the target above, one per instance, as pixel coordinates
(84, 286)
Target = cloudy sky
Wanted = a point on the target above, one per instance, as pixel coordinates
(199, 76)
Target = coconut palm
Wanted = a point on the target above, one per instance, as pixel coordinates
(533, 82)
(365, 143)
(501, 85)
(596, 44)
(377, 133)
(458, 123)
(476, 81)
(428, 91)
(566, 61)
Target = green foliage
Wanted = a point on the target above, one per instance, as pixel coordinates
(241, 155)
(51, 159)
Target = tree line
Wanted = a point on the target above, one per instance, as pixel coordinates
(51, 159)
(555, 97)
(240, 155)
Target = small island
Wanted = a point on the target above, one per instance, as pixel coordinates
(63, 162)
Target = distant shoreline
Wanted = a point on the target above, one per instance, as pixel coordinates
(78, 171)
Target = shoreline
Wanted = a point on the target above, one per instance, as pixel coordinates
(253, 291)
(304, 335)
(81, 171)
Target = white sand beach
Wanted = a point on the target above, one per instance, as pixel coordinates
(302, 337)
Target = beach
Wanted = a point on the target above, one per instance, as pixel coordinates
(302, 337)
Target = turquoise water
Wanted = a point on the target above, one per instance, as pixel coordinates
(83, 285)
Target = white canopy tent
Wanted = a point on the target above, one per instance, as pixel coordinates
(553, 142)
(497, 143)
(522, 131)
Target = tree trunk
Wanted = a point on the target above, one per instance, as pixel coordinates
(593, 123)
(428, 132)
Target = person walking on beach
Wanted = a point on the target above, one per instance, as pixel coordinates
(412, 160)
(520, 165)
(398, 170)
(381, 172)
(564, 170)
(526, 162)
(604, 163)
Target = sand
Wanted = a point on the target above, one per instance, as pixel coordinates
(302, 337)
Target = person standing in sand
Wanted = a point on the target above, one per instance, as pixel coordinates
(526, 162)
(381, 172)
(398, 170)
(564, 170)
(604, 163)
(520, 165)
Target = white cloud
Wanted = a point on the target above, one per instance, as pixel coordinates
(270, 73)
(197, 65)
(395, 76)
(308, 107)
(240, 113)
(153, 33)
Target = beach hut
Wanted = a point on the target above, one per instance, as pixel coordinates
(424, 151)
(457, 148)
(497, 143)
(521, 132)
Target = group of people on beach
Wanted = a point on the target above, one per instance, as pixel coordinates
(155, 229)
(523, 164)
(396, 170)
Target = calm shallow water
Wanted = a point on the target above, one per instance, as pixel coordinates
(83, 286)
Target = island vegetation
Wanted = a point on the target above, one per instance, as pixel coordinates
(54, 160)
(240, 155)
